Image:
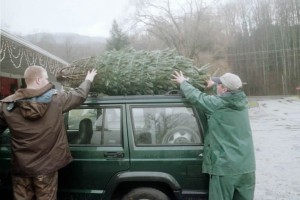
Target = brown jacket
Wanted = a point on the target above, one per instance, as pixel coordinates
(35, 118)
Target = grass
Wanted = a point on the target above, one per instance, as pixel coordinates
(252, 104)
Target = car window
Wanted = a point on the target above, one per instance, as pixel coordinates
(97, 126)
(165, 126)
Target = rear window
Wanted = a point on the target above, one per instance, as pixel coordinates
(165, 126)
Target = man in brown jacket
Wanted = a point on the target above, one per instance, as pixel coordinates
(39, 142)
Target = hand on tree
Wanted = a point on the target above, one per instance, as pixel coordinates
(178, 77)
(91, 75)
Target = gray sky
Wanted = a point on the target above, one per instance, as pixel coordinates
(85, 17)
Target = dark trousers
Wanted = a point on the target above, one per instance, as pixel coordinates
(41, 187)
(232, 187)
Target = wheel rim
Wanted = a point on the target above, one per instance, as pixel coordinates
(181, 136)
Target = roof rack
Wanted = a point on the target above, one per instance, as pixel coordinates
(174, 92)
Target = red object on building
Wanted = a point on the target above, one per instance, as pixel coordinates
(7, 86)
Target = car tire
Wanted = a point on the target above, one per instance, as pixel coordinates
(181, 135)
(145, 194)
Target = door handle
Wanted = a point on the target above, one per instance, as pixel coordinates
(113, 155)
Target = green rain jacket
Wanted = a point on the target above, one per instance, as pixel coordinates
(228, 143)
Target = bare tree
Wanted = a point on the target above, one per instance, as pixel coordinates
(264, 44)
(185, 27)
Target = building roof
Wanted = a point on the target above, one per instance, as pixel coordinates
(16, 54)
(32, 46)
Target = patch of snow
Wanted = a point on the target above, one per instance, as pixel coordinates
(275, 125)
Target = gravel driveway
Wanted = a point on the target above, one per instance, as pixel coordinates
(275, 124)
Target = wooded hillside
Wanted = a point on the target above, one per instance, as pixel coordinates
(256, 39)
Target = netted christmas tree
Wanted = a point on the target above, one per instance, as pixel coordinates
(131, 72)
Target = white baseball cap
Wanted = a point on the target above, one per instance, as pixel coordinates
(231, 81)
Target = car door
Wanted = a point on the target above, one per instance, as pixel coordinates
(168, 138)
(97, 140)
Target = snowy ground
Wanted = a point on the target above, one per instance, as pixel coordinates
(275, 124)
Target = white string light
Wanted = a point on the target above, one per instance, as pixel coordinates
(17, 54)
(29, 54)
(3, 49)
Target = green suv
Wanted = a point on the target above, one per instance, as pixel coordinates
(129, 147)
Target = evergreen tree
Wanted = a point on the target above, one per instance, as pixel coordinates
(118, 40)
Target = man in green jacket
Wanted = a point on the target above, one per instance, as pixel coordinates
(228, 144)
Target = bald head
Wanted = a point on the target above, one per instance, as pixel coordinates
(36, 77)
